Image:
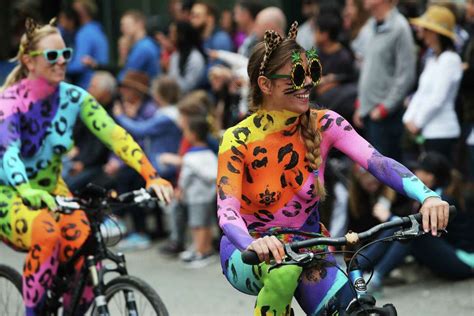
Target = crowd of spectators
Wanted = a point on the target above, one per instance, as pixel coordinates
(407, 89)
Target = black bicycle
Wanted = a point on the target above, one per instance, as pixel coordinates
(122, 295)
(363, 303)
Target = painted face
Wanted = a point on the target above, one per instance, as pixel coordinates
(299, 71)
(292, 83)
(49, 59)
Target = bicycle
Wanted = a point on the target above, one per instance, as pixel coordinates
(122, 295)
(363, 303)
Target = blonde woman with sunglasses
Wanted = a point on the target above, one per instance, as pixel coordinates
(38, 111)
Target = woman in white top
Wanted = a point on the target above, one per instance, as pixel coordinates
(431, 110)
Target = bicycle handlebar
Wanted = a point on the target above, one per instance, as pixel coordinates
(68, 204)
(251, 257)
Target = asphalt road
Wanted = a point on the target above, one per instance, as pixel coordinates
(206, 292)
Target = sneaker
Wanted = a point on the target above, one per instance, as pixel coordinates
(188, 255)
(134, 241)
(171, 248)
(200, 261)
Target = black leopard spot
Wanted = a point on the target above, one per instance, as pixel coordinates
(61, 126)
(255, 225)
(299, 178)
(73, 94)
(21, 226)
(339, 120)
(290, 214)
(348, 128)
(235, 158)
(18, 178)
(259, 163)
(236, 152)
(283, 182)
(246, 200)
(264, 216)
(44, 182)
(59, 149)
(33, 127)
(248, 176)
(232, 169)
(70, 232)
(291, 120)
(257, 150)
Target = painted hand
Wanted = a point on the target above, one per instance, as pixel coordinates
(35, 197)
(435, 214)
(163, 189)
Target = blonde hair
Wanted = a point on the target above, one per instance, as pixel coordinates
(309, 131)
(29, 42)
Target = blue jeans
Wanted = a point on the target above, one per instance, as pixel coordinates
(385, 135)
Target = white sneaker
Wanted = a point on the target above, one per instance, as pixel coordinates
(201, 261)
(187, 255)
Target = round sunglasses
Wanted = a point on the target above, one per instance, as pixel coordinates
(298, 73)
(52, 55)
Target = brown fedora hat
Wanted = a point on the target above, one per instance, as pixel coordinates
(137, 80)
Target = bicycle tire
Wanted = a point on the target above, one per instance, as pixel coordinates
(14, 277)
(128, 282)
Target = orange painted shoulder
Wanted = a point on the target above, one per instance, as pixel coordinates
(318, 114)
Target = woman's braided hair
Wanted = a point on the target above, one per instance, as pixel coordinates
(34, 32)
(267, 58)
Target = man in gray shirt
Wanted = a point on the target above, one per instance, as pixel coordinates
(387, 75)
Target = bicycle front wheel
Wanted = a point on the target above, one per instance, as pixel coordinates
(11, 299)
(127, 294)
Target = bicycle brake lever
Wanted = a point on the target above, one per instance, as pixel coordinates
(413, 231)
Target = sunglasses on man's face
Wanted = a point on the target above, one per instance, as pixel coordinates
(52, 55)
(298, 74)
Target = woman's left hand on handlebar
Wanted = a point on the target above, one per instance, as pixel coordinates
(435, 214)
(162, 188)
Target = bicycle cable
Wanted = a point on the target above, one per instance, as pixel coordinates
(351, 286)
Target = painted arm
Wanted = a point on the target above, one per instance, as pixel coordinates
(229, 190)
(115, 138)
(341, 135)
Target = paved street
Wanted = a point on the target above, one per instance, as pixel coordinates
(205, 291)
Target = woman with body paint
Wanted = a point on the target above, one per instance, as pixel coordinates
(271, 179)
(37, 115)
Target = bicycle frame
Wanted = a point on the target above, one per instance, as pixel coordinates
(95, 251)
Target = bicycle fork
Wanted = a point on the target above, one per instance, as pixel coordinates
(98, 288)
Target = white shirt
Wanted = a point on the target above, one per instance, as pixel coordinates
(432, 107)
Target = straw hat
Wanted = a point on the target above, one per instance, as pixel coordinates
(437, 19)
(136, 80)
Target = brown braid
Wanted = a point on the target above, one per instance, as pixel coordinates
(312, 140)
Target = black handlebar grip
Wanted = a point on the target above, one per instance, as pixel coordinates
(452, 214)
(250, 257)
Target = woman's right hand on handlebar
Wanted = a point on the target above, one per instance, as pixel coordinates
(36, 197)
(266, 245)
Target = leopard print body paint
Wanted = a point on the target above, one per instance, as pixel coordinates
(264, 182)
(36, 126)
